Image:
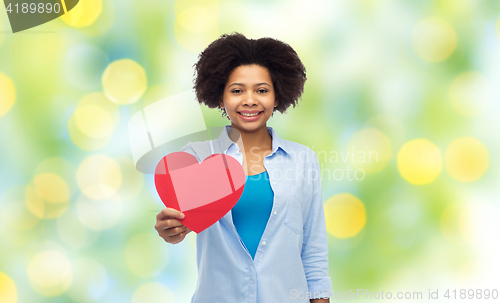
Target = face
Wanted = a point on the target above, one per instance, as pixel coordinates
(249, 97)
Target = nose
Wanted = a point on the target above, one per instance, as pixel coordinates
(250, 98)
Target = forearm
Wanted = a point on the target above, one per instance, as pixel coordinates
(327, 300)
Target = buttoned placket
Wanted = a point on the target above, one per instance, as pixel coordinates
(254, 262)
(253, 273)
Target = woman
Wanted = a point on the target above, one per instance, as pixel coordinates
(272, 246)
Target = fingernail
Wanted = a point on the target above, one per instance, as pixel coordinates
(182, 216)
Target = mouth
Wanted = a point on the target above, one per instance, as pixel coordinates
(250, 116)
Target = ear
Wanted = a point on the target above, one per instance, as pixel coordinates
(276, 102)
(221, 103)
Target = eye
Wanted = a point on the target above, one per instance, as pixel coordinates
(262, 90)
(236, 91)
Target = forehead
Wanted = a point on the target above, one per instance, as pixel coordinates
(249, 74)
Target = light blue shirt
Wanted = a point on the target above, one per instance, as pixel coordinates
(291, 261)
(252, 211)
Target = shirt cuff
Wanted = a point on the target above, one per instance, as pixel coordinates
(320, 287)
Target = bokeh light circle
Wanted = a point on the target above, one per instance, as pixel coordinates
(91, 280)
(471, 94)
(153, 293)
(52, 188)
(7, 94)
(369, 149)
(49, 194)
(99, 177)
(146, 255)
(93, 121)
(73, 232)
(50, 273)
(8, 289)
(124, 81)
(195, 27)
(466, 159)
(419, 161)
(434, 39)
(83, 14)
(99, 214)
(345, 215)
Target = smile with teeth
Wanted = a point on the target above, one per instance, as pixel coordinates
(250, 115)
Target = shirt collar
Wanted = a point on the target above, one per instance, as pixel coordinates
(226, 142)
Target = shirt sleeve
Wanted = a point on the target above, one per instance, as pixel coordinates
(315, 242)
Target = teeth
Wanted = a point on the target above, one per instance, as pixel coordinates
(250, 115)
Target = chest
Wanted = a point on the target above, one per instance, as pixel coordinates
(253, 162)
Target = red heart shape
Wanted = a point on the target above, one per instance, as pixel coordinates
(204, 191)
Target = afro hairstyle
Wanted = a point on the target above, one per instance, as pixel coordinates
(230, 51)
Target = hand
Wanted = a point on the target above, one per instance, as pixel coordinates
(169, 228)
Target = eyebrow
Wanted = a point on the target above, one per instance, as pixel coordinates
(262, 83)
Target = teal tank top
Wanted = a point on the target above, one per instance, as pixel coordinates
(252, 211)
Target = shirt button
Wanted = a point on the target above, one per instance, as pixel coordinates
(263, 242)
(275, 213)
(274, 183)
(267, 162)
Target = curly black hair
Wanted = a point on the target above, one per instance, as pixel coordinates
(230, 51)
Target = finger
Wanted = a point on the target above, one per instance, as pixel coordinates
(169, 213)
(167, 224)
(172, 232)
(178, 238)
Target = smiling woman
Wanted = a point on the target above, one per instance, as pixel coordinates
(273, 241)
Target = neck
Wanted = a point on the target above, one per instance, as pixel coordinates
(246, 140)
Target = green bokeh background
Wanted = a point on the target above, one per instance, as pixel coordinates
(364, 71)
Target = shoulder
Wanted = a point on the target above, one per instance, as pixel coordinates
(299, 152)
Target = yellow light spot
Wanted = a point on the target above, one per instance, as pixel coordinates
(124, 81)
(434, 39)
(345, 215)
(52, 188)
(50, 273)
(84, 13)
(92, 280)
(153, 293)
(369, 149)
(99, 215)
(146, 255)
(466, 159)
(94, 121)
(7, 94)
(456, 223)
(195, 27)
(83, 141)
(8, 289)
(419, 161)
(42, 208)
(471, 94)
(48, 196)
(99, 177)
